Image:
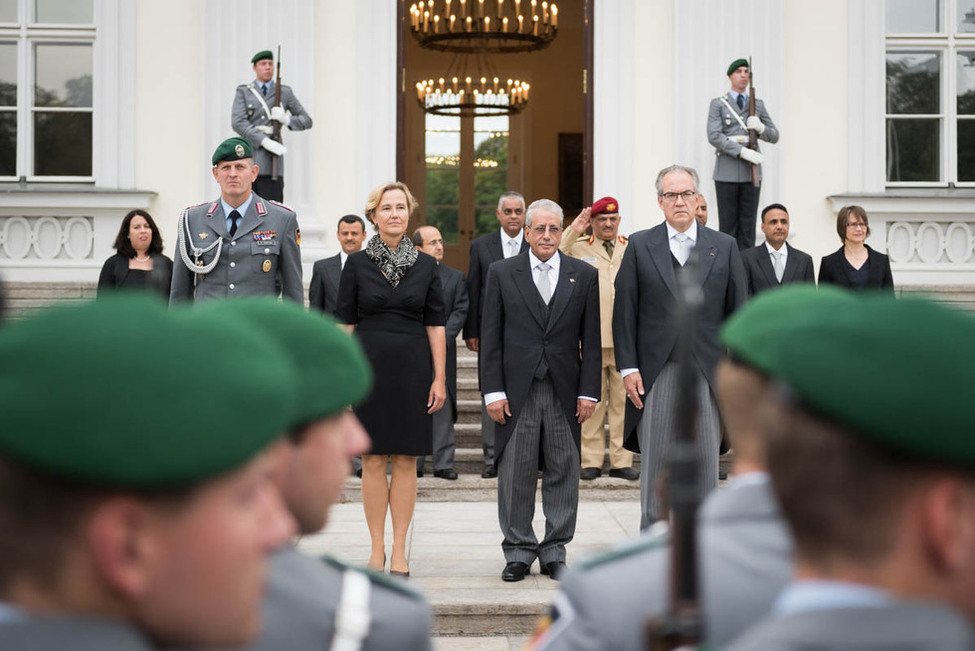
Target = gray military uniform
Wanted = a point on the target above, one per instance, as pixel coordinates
(723, 122)
(70, 632)
(745, 558)
(904, 626)
(249, 112)
(209, 263)
(304, 594)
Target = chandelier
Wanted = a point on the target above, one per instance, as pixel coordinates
(498, 26)
(467, 96)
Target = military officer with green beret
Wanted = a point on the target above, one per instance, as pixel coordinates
(254, 115)
(136, 512)
(239, 244)
(873, 462)
(745, 551)
(317, 603)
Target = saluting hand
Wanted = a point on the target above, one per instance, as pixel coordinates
(438, 395)
(581, 222)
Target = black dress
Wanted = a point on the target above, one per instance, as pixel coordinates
(116, 274)
(391, 324)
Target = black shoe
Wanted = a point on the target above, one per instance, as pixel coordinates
(554, 570)
(419, 473)
(722, 475)
(624, 473)
(515, 571)
(490, 472)
(590, 473)
(358, 473)
(448, 473)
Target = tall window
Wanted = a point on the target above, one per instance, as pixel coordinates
(466, 172)
(46, 65)
(930, 92)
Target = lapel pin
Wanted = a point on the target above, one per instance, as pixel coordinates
(711, 253)
(572, 280)
(203, 236)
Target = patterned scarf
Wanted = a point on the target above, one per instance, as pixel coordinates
(393, 264)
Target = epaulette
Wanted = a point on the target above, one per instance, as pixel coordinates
(592, 238)
(196, 205)
(377, 579)
(626, 550)
(622, 239)
(279, 204)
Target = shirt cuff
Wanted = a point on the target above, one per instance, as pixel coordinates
(494, 396)
(628, 371)
(590, 399)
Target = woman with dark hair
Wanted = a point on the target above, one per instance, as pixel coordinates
(139, 262)
(855, 266)
(391, 294)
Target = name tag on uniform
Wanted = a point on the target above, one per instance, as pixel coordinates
(265, 237)
(593, 259)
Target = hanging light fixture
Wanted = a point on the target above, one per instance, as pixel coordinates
(472, 88)
(498, 26)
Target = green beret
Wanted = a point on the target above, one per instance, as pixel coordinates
(263, 54)
(897, 372)
(756, 332)
(233, 149)
(737, 63)
(333, 372)
(124, 393)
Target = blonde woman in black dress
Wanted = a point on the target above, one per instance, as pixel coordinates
(391, 294)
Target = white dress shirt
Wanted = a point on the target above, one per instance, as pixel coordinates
(343, 256)
(506, 248)
(784, 251)
(242, 208)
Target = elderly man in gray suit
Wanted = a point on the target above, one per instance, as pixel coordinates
(885, 539)
(645, 336)
(429, 240)
(540, 374)
(253, 116)
(729, 126)
(239, 244)
(745, 550)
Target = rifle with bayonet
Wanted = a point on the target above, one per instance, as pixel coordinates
(752, 134)
(681, 626)
(276, 129)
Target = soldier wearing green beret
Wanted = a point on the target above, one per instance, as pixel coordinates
(873, 462)
(313, 603)
(729, 126)
(745, 551)
(239, 244)
(253, 116)
(136, 513)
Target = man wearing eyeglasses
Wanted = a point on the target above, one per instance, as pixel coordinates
(729, 126)
(645, 336)
(540, 375)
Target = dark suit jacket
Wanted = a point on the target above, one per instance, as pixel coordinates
(646, 297)
(455, 305)
(484, 250)
(832, 270)
(516, 332)
(761, 275)
(324, 289)
(116, 268)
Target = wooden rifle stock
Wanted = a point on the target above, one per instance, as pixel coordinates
(752, 134)
(276, 133)
(680, 627)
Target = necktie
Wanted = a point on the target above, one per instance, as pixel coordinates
(683, 248)
(264, 90)
(544, 284)
(741, 102)
(234, 218)
(777, 265)
(609, 245)
(512, 249)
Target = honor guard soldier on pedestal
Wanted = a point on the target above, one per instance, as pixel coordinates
(239, 244)
(604, 251)
(736, 121)
(260, 109)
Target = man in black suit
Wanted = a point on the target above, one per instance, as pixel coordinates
(774, 263)
(645, 336)
(325, 274)
(540, 374)
(429, 240)
(486, 249)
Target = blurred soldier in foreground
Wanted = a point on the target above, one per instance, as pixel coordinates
(873, 463)
(604, 251)
(136, 512)
(745, 552)
(315, 603)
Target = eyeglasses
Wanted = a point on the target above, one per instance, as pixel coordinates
(856, 225)
(540, 230)
(671, 197)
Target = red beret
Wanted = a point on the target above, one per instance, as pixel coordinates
(606, 204)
